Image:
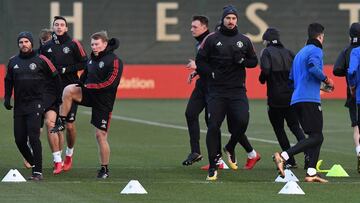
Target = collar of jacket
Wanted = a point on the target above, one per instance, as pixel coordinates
(202, 36)
(314, 42)
(228, 32)
(26, 55)
(60, 39)
(275, 43)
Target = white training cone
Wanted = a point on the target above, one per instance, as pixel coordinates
(133, 187)
(13, 176)
(289, 176)
(223, 165)
(291, 188)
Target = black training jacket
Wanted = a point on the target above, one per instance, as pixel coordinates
(26, 74)
(341, 66)
(102, 75)
(222, 59)
(275, 63)
(67, 55)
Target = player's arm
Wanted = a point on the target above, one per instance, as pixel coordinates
(202, 58)
(339, 66)
(265, 66)
(250, 60)
(315, 69)
(353, 68)
(53, 74)
(9, 84)
(112, 79)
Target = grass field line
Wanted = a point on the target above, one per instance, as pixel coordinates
(181, 182)
(165, 125)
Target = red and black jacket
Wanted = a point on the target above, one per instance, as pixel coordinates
(102, 75)
(26, 74)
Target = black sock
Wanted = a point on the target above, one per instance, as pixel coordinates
(105, 167)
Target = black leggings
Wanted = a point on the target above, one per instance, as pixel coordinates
(311, 120)
(27, 127)
(237, 112)
(277, 116)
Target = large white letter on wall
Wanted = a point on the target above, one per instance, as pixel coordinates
(162, 21)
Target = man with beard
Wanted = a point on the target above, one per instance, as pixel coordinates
(69, 57)
(26, 74)
(222, 58)
(97, 89)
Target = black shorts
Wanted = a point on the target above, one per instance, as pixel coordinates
(352, 112)
(99, 118)
(310, 116)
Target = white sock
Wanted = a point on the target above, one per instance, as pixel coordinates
(251, 154)
(357, 148)
(284, 155)
(311, 171)
(69, 151)
(57, 156)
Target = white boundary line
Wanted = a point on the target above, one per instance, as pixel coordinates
(164, 125)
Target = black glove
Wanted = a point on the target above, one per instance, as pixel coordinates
(7, 104)
(262, 78)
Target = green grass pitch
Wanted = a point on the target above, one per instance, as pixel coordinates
(148, 140)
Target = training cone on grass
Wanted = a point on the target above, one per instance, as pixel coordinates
(337, 171)
(289, 176)
(291, 188)
(13, 176)
(133, 187)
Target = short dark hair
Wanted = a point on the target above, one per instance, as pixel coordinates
(203, 19)
(314, 30)
(59, 18)
(100, 35)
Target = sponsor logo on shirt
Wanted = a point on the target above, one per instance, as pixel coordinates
(32, 66)
(66, 50)
(240, 44)
(101, 64)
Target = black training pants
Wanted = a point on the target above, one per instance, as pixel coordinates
(28, 127)
(237, 111)
(311, 120)
(277, 116)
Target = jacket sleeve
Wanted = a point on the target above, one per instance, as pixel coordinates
(353, 68)
(54, 76)
(265, 66)
(202, 58)
(112, 80)
(314, 65)
(251, 59)
(9, 83)
(80, 56)
(340, 68)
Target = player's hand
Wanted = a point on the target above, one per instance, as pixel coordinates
(7, 104)
(328, 85)
(191, 65)
(353, 91)
(192, 75)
